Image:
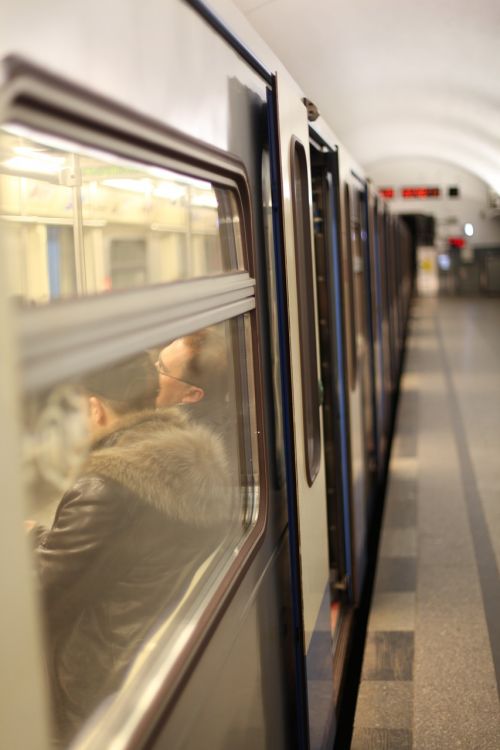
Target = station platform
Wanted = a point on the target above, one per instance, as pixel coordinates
(431, 666)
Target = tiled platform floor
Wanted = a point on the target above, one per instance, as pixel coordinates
(431, 668)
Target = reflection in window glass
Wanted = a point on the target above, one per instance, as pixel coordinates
(81, 223)
(142, 483)
(127, 263)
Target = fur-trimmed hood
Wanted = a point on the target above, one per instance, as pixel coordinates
(168, 461)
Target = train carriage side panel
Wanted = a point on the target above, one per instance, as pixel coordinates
(227, 109)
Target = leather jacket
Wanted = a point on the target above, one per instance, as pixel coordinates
(150, 506)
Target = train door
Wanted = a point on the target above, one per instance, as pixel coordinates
(376, 320)
(363, 340)
(219, 616)
(385, 316)
(311, 551)
(389, 291)
(355, 352)
(367, 254)
(327, 235)
(393, 269)
(324, 171)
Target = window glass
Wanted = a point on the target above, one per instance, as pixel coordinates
(127, 263)
(142, 483)
(305, 293)
(350, 289)
(82, 222)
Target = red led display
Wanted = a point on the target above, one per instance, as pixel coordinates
(387, 192)
(420, 192)
(456, 241)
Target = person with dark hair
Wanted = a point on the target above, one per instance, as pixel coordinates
(150, 505)
(130, 385)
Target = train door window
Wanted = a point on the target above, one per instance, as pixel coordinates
(142, 465)
(305, 294)
(378, 312)
(331, 341)
(385, 309)
(358, 271)
(349, 288)
(46, 184)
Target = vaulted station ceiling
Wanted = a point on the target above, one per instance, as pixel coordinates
(395, 78)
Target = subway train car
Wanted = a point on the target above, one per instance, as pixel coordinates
(202, 318)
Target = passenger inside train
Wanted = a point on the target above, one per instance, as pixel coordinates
(151, 503)
(193, 372)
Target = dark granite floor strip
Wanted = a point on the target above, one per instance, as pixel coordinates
(487, 568)
(388, 656)
(401, 513)
(404, 490)
(407, 446)
(382, 739)
(396, 574)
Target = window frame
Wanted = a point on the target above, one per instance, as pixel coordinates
(54, 339)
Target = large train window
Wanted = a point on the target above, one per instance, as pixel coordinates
(140, 409)
(83, 221)
(142, 481)
(305, 294)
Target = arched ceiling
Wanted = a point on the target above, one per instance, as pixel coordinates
(396, 78)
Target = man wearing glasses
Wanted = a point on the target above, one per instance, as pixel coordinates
(193, 369)
(175, 368)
